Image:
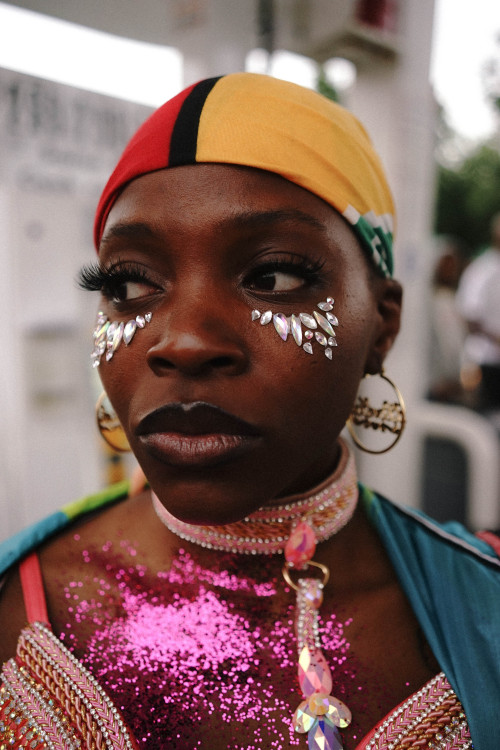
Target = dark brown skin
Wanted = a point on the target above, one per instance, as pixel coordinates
(203, 233)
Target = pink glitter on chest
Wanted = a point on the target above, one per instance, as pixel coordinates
(194, 657)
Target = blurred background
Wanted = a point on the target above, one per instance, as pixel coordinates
(76, 79)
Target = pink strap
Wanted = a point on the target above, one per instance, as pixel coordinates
(33, 591)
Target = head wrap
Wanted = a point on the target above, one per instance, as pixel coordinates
(259, 121)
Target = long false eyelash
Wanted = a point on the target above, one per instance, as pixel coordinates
(94, 278)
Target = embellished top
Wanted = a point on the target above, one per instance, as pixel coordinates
(164, 660)
(180, 652)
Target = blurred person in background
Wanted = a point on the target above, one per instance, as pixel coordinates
(478, 301)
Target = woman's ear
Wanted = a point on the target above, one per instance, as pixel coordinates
(389, 296)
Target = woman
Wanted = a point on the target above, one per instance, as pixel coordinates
(245, 273)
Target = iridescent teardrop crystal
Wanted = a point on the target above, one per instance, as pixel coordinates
(140, 321)
(297, 330)
(332, 319)
(328, 353)
(324, 323)
(308, 348)
(301, 545)
(281, 324)
(303, 718)
(325, 306)
(320, 338)
(314, 672)
(308, 320)
(129, 331)
(148, 317)
(338, 713)
(324, 736)
(266, 318)
(255, 314)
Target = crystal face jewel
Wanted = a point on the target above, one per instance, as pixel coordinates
(148, 317)
(308, 348)
(129, 331)
(297, 330)
(309, 334)
(281, 324)
(301, 545)
(328, 353)
(266, 318)
(332, 341)
(330, 300)
(308, 320)
(324, 323)
(332, 319)
(320, 338)
(325, 306)
(314, 672)
(140, 321)
(255, 314)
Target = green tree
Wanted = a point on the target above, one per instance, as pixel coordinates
(468, 196)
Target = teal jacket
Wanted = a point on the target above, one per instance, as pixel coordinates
(451, 578)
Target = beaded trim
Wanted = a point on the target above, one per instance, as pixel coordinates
(267, 530)
(44, 686)
(433, 714)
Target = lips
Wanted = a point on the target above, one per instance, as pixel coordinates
(195, 434)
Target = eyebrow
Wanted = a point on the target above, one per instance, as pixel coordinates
(244, 220)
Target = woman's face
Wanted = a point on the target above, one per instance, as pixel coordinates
(221, 413)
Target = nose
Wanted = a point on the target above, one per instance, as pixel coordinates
(198, 340)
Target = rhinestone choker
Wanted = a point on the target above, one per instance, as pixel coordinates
(294, 528)
(267, 530)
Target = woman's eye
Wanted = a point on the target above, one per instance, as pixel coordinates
(126, 291)
(277, 281)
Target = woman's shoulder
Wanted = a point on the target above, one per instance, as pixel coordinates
(15, 548)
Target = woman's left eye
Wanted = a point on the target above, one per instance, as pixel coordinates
(277, 281)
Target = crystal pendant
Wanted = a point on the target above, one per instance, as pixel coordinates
(314, 672)
(337, 712)
(297, 330)
(255, 314)
(301, 545)
(303, 718)
(129, 331)
(266, 318)
(308, 320)
(324, 736)
(281, 324)
(308, 348)
(324, 323)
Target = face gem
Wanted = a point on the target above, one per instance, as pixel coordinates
(281, 324)
(328, 353)
(332, 318)
(309, 334)
(325, 325)
(332, 341)
(266, 318)
(325, 306)
(320, 338)
(141, 322)
(308, 320)
(148, 317)
(297, 330)
(129, 331)
(255, 314)
(308, 348)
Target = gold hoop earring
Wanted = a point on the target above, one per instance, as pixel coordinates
(109, 425)
(390, 417)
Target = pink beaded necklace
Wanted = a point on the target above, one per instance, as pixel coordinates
(294, 528)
